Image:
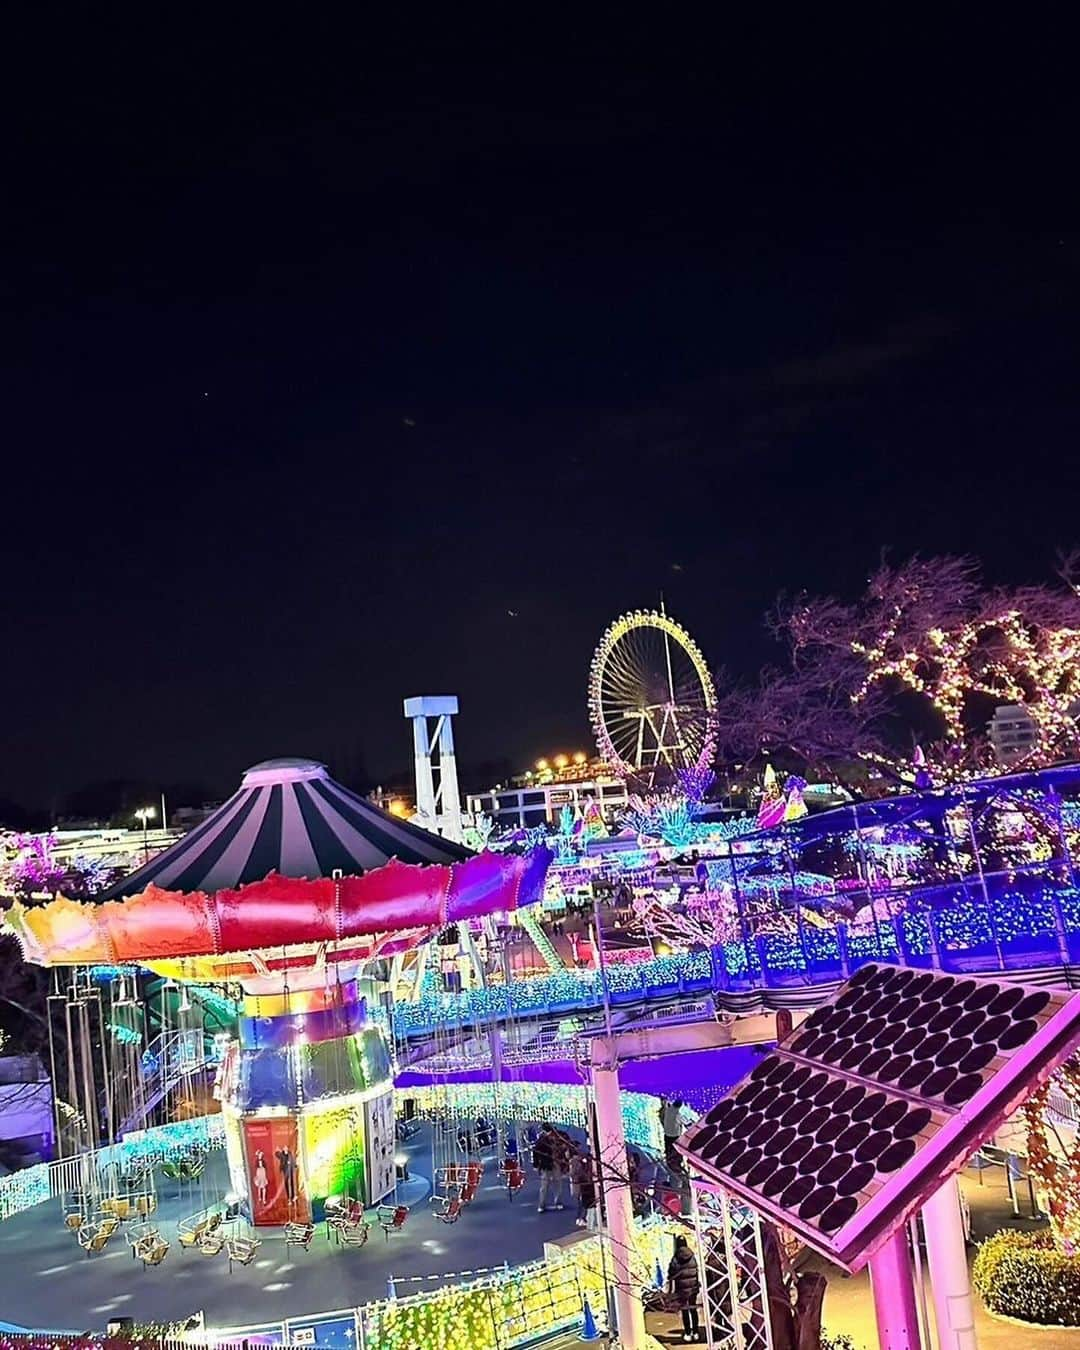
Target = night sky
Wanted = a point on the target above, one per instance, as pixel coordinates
(339, 368)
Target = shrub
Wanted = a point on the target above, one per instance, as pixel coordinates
(1021, 1275)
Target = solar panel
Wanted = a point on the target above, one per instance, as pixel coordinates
(856, 1118)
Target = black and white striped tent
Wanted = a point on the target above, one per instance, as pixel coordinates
(290, 817)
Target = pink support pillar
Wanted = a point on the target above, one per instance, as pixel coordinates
(894, 1295)
(946, 1250)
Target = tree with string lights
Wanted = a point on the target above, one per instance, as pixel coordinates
(928, 630)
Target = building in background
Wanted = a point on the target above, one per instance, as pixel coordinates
(538, 796)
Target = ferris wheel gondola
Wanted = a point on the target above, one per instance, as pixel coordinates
(652, 701)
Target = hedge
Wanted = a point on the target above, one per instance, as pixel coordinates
(1021, 1275)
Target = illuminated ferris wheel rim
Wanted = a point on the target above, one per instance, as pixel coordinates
(704, 734)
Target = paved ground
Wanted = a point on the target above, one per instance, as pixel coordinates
(49, 1283)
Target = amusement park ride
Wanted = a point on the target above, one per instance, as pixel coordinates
(288, 891)
(296, 893)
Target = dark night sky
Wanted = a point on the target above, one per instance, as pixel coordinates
(322, 353)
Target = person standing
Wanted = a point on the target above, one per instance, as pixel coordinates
(684, 1286)
(672, 1124)
(583, 1181)
(543, 1159)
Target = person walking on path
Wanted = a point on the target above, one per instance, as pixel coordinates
(547, 1159)
(684, 1286)
(583, 1180)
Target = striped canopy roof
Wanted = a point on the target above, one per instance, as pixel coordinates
(290, 817)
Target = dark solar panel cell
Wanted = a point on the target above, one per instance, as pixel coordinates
(1017, 1034)
(833, 1089)
(1031, 1006)
(779, 1106)
(848, 1101)
(950, 1014)
(813, 1086)
(782, 1070)
(854, 1180)
(813, 1120)
(855, 1055)
(912, 1038)
(932, 1045)
(870, 1105)
(780, 1180)
(761, 1136)
(815, 1160)
(822, 1017)
(794, 1114)
(923, 1014)
(758, 1175)
(727, 1155)
(919, 1070)
(720, 1112)
(963, 1089)
(780, 1141)
(816, 1201)
(764, 1069)
(1006, 1001)
(839, 1165)
(906, 1008)
(919, 985)
(959, 992)
(915, 1119)
(991, 1029)
(704, 1137)
(852, 1137)
(798, 1078)
(978, 1059)
(873, 1062)
(747, 1159)
(938, 1081)
(982, 997)
(838, 1213)
(796, 1152)
(862, 976)
(966, 1025)
(954, 1052)
(873, 1145)
(888, 1036)
(797, 1192)
(890, 1116)
(833, 1128)
(896, 1155)
(838, 1050)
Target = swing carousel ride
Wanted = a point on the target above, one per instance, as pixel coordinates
(288, 893)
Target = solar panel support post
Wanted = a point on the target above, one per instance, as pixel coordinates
(894, 1295)
(618, 1204)
(946, 1251)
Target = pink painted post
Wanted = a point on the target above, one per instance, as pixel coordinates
(894, 1295)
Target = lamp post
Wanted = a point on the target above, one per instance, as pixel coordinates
(145, 814)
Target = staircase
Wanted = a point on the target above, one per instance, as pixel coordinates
(167, 1061)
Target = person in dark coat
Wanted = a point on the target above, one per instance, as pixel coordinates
(684, 1287)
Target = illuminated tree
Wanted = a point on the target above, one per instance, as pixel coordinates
(928, 629)
(1054, 1160)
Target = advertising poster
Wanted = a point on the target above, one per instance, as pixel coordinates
(334, 1145)
(275, 1178)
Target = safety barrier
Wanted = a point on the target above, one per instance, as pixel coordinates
(44, 1181)
(959, 931)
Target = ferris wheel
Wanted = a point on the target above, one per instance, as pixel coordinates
(652, 701)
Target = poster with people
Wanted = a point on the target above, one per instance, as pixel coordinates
(275, 1180)
(381, 1141)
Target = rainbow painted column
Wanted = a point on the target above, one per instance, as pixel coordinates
(307, 1096)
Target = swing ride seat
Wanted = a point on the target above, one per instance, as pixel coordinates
(451, 1210)
(515, 1179)
(392, 1218)
(467, 1195)
(354, 1234)
(191, 1231)
(153, 1256)
(241, 1251)
(73, 1221)
(138, 1235)
(212, 1242)
(121, 1206)
(299, 1235)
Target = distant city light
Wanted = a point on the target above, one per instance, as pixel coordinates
(561, 761)
(541, 765)
(580, 757)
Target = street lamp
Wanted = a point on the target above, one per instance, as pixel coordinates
(145, 814)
